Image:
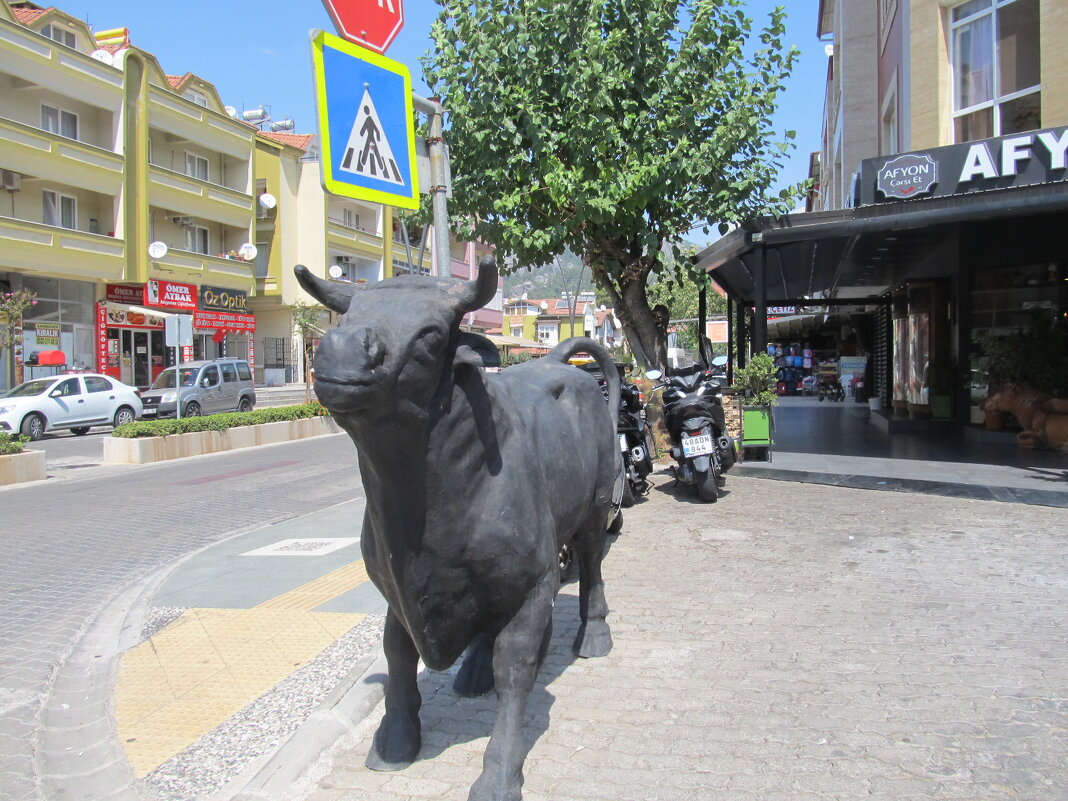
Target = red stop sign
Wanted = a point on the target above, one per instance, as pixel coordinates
(374, 24)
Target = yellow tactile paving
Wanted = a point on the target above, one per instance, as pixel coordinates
(203, 667)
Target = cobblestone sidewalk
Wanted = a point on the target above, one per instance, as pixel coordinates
(791, 642)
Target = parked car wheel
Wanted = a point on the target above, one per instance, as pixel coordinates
(80, 431)
(33, 426)
(245, 405)
(124, 414)
(192, 410)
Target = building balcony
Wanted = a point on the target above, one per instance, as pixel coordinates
(190, 196)
(347, 238)
(35, 61)
(49, 250)
(200, 268)
(185, 121)
(40, 154)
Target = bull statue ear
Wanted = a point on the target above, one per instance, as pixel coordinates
(479, 292)
(335, 296)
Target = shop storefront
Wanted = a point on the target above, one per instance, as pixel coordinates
(131, 342)
(59, 322)
(946, 249)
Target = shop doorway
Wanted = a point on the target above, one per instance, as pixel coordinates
(142, 355)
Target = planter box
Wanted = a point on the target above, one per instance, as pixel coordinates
(145, 450)
(15, 468)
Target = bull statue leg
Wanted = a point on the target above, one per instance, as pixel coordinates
(397, 740)
(517, 654)
(594, 638)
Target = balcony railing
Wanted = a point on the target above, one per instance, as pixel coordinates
(34, 246)
(58, 158)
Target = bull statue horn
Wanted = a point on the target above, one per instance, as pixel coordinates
(334, 296)
(479, 292)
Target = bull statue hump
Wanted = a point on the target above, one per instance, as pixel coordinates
(474, 482)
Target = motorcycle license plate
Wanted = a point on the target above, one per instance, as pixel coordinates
(623, 443)
(697, 446)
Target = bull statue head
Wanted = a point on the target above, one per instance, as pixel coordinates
(396, 341)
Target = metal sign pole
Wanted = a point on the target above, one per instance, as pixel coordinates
(436, 142)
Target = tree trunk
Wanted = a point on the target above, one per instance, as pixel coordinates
(627, 291)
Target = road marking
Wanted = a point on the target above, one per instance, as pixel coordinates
(198, 671)
(236, 473)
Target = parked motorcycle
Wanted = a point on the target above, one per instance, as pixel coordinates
(635, 441)
(693, 412)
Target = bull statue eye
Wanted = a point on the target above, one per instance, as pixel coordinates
(431, 339)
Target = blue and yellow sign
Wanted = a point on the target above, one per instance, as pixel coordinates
(366, 123)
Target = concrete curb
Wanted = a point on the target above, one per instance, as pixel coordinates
(339, 714)
(888, 484)
(78, 752)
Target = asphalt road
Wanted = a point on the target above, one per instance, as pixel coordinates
(74, 541)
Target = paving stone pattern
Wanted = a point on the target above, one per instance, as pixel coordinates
(792, 642)
(70, 546)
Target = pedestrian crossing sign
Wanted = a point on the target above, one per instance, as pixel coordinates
(366, 123)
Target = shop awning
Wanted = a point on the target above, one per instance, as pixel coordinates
(505, 341)
(862, 252)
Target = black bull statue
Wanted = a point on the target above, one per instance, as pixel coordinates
(474, 481)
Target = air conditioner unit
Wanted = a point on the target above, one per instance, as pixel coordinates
(185, 222)
(344, 259)
(10, 180)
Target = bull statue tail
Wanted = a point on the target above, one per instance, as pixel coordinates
(569, 347)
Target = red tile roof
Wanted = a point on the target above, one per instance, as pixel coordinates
(299, 141)
(177, 80)
(27, 16)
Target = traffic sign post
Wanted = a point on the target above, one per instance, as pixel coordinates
(373, 24)
(366, 123)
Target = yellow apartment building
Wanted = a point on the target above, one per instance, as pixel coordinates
(127, 194)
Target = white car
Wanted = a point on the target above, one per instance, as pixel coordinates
(73, 402)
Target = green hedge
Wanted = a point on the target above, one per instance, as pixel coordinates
(11, 443)
(219, 422)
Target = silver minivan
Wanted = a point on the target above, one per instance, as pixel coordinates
(207, 387)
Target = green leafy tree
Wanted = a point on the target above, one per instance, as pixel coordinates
(12, 306)
(306, 321)
(681, 296)
(610, 127)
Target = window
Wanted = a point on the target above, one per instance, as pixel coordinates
(350, 217)
(995, 58)
(210, 377)
(95, 383)
(60, 210)
(57, 121)
(197, 240)
(517, 330)
(243, 371)
(57, 34)
(67, 388)
(196, 97)
(548, 333)
(196, 166)
(229, 373)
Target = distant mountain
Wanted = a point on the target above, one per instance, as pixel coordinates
(568, 273)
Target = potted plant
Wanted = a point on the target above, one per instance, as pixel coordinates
(1035, 356)
(756, 383)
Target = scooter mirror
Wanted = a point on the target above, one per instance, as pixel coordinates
(653, 375)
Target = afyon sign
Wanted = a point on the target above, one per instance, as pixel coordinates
(1021, 159)
(907, 175)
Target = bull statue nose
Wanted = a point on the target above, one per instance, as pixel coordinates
(349, 353)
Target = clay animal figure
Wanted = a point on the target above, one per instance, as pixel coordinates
(474, 481)
(1044, 418)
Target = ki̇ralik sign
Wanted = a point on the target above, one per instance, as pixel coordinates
(1022, 159)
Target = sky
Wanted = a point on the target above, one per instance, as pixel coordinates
(257, 53)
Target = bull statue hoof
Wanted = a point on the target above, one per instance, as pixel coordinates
(396, 744)
(594, 639)
(505, 790)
